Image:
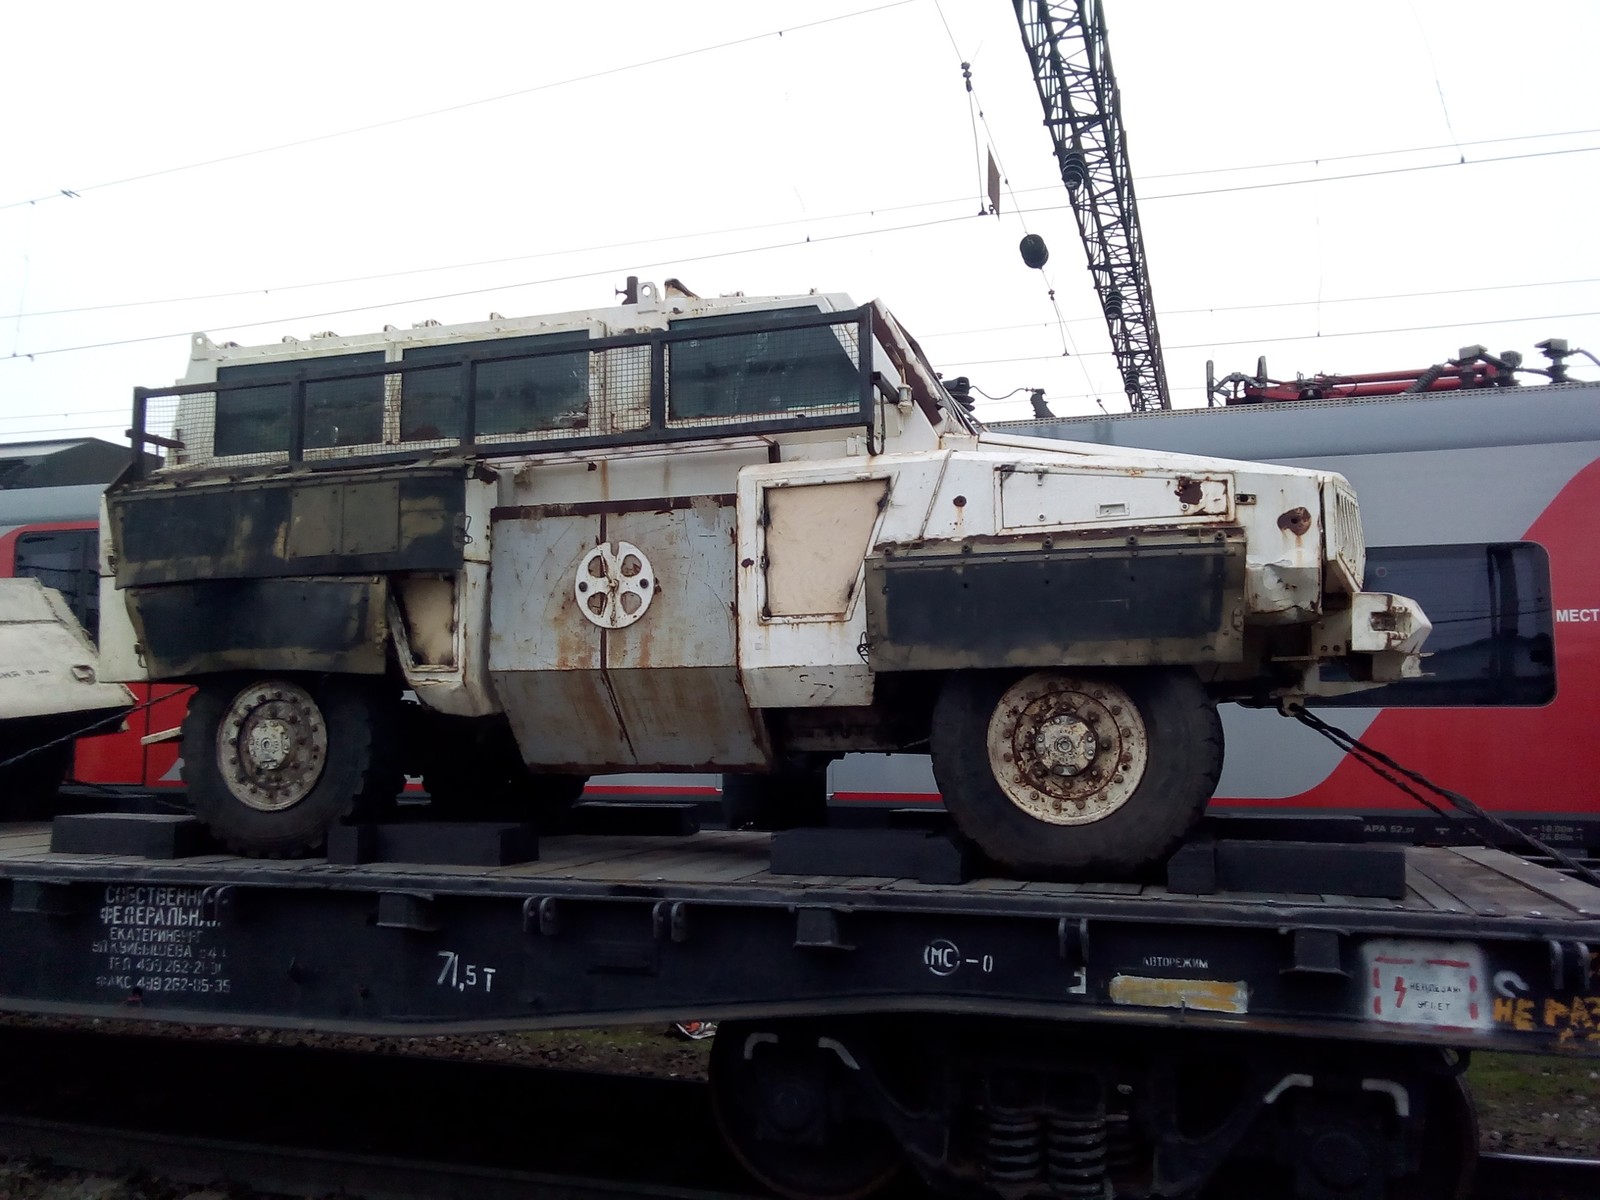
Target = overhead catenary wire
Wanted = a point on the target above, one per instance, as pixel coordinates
(1069, 347)
(77, 191)
(676, 237)
(503, 287)
(1328, 158)
(1275, 304)
(699, 257)
(1311, 337)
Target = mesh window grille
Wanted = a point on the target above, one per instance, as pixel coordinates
(724, 378)
(524, 391)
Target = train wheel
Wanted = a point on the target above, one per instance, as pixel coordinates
(791, 1113)
(791, 799)
(1075, 772)
(273, 764)
(1449, 1143)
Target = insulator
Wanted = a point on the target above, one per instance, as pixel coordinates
(1113, 306)
(1013, 1145)
(1074, 170)
(1077, 1155)
(1034, 252)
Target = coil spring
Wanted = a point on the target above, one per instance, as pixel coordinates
(1013, 1145)
(1122, 1142)
(1077, 1155)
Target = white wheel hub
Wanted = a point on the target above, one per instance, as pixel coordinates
(1067, 750)
(614, 585)
(272, 744)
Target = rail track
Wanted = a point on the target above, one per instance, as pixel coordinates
(297, 1171)
(311, 1121)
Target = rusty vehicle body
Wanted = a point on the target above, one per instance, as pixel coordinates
(741, 534)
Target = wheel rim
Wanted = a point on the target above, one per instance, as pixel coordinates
(768, 1082)
(1067, 750)
(272, 744)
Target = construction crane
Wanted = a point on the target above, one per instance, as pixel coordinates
(1066, 43)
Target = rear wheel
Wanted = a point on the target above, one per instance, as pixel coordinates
(1074, 772)
(273, 763)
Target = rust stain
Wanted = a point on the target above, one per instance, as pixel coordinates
(1296, 521)
(1189, 490)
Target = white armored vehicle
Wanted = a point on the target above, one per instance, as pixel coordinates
(742, 534)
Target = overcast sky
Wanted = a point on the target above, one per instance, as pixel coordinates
(580, 143)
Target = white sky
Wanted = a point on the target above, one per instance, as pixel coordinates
(716, 167)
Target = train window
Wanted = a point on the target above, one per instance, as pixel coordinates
(516, 395)
(1493, 630)
(771, 373)
(339, 412)
(67, 560)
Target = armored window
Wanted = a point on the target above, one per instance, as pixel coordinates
(777, 371)
(538, 388)
(339, 412)
(1493, 629)
(65, 559)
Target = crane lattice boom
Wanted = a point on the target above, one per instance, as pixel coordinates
(1066, 43)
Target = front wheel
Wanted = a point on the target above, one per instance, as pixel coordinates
(1075, 772)
(273, 763)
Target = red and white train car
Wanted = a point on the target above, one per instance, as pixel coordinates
(49, 530)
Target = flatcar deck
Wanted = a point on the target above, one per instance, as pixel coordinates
(1484, 949)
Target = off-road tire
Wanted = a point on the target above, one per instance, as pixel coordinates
(1184, 761)
(360, 774)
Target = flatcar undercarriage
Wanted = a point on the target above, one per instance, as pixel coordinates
(839, 1109)
(995, 1039)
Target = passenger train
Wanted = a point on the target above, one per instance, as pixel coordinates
(1476, 501)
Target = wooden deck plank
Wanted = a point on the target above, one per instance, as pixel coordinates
(564, 855)
(1429, 894)
(1110, 889)
(1482, 892)
(1582, 898)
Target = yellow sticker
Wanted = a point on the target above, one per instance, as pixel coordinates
(1205, 995)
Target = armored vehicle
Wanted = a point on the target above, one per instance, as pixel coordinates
(742, 534)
